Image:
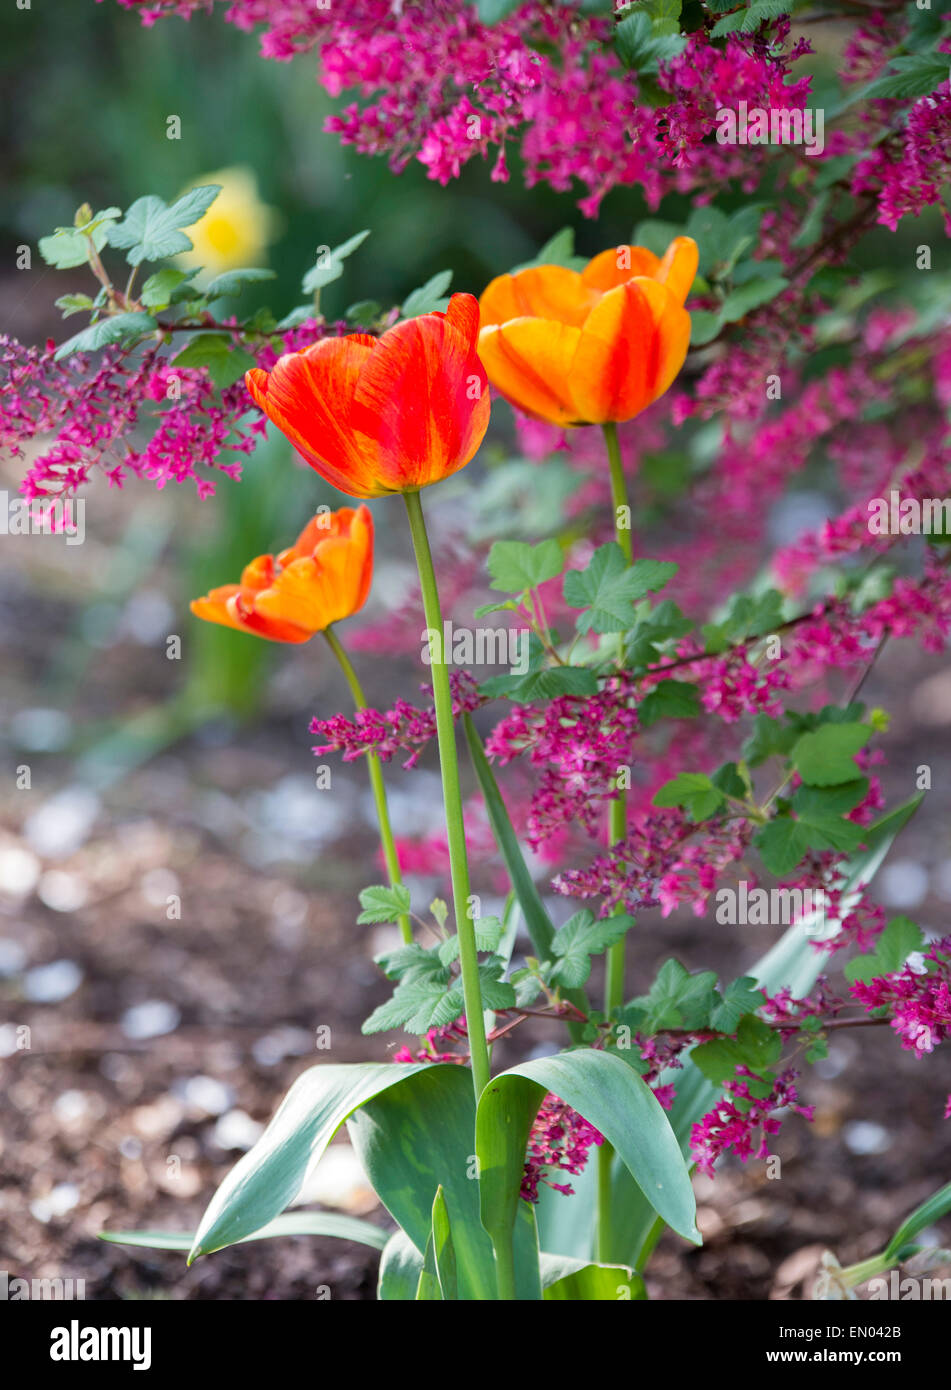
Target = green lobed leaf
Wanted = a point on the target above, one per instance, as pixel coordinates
(516, 566)
(608, 588)
(383, 904)
(429, 296)
(224, 362)
(669, 700)
(233, 281)
(897, 942)
(152, 230)
(582, 937)
(329, 265)
(118, 328)
(756, 1046)
(826, 756)
(695, 791)
(676, 999)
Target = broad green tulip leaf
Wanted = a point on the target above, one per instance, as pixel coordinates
(272, 1172)
(428, 1290)
(613, 1098)
(415, 1139)
(576, 1281)
(444, 1252)
(292, 1223)
(401, 1264)
(930, 1211)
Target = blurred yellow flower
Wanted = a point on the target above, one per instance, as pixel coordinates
(237, 228)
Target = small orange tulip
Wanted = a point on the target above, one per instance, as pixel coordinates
(381, 415)
(323, 577)
(591, 347)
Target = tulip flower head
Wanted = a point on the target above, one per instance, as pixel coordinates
(323, 577)
(589, 347)
(381, 415)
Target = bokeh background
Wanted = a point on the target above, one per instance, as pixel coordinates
(159, 1046)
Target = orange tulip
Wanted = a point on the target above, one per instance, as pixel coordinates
(591, 347)
(323, 577)
(382, 415)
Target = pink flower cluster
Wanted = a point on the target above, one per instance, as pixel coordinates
(918, 999)
(98, 410)
(436, 84)
(580, 744)
(742, 1123)
(560, 1138)
(402, 729)
(660, 864)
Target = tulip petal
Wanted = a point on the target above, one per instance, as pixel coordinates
(309, 396)
(618, 264)
(528, 361)
(631, 348)
(314, 592)
(423, 397)
(543, 292)
(678, 268)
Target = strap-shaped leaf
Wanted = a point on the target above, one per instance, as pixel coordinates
(565, 1279)
(401, 1264)
(271, 1174)
(412, 1141)
(292, 1223)
(444, 1251)
(612, 1097)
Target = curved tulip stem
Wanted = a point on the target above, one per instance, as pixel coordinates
(375, 770)
(616, 954)
(452, 798)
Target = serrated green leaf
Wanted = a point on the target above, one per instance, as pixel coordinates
(118, 328)
(234, 281)
(516, 566)
(383, 904)
(740, 997)
(669, 700)
(608, 588)
(694, 791)
(428, 297)
(73, 304)
(158, 288)
(677, 999)
(826, 756)
(151, 230)
(756, 1046)
(329, 265)
(582, 937)
(224, 362)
